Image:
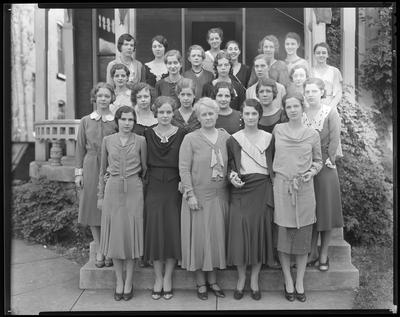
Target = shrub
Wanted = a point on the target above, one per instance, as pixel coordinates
(376, 68)
(47, 212)
(366, 199)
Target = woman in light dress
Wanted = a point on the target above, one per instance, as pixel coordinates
(203, 163)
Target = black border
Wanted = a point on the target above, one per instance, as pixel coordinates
(176, 4)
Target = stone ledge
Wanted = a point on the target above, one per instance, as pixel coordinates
(61, 173)
(339, 276)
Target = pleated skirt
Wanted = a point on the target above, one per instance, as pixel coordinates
(328, 199)
(250, 230)
(122, 219)
(203, 232)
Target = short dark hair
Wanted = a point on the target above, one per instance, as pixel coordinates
(269, 82)
(322, 44)
(222, 84)
(118, 66)
(295, 95)
(317, 81)
(254, 103)
(216, 30)
(296, 67)
(293, 35)
(160, 39)
(96, 88)
(220, 55)
(271, 38)
(185, 83)
(138, 87)
(120, 111)
(125, 37)
(161, 100)
(232, 42)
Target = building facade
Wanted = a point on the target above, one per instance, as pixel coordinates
(89, 39)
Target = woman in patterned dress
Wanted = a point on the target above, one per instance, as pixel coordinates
(326, 121)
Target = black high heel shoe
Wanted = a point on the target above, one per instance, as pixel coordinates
(202, 295)
(217, 292)
(238, 294)
(118, 296)
(299, 296)
(128, 296)
(289, 296)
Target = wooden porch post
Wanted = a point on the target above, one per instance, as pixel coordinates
(41, 25)
(313, 33)
(68, 35)
(348, 27)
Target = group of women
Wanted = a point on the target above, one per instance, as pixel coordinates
(221, 166)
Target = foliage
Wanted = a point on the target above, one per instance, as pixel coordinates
(366, 199)
(333, 36)
(47, 212)
(376, 68)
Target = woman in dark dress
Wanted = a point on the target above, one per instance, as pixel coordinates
(223, 68)
(142, 98)
(163, 206)
(240, 72)
(185, 116)
(250, 155)
(156, 69)
(266, 91)
(228, 119)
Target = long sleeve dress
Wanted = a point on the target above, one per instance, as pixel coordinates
(295, 199)
(163, 200)
(121, 234)
(251, 207)
(189, 126)
(92, 129)
(203, 78)
(326, 183)
(203, 167)
(137, 73)
(239, 92)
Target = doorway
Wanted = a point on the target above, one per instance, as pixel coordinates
(199, 21)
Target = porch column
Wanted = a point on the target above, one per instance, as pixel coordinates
(313, 33)
(121, 24)
(132, 22)
(348, 27)
(40, 28)
(68, 35)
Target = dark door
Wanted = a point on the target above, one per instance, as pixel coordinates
(199, 21)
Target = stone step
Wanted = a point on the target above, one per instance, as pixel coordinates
(339, 250)
(340, 276)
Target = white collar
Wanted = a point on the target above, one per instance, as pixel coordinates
(96, 116)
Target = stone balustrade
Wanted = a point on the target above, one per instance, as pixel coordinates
(55, 132)
(55, 142)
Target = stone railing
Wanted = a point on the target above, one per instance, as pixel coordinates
(55, 132)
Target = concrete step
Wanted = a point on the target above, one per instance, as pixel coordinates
(339, 250)
(340, 276)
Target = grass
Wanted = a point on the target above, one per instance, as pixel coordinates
(375, 264)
